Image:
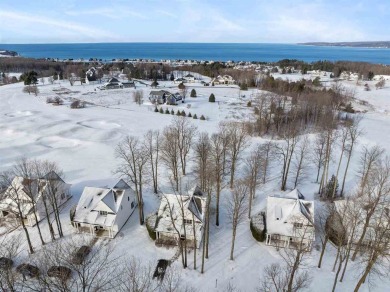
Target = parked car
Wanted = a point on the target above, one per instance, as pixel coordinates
(28, 270)
(6, 263)
(81, 254)
(61, 272)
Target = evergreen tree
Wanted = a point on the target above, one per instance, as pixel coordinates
(212, 98)
(193, 93)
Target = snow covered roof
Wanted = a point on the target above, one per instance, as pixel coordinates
(283, 212)
(194, 206)
(99, 206)
(24, 191)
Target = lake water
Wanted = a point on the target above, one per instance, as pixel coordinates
(200, 51)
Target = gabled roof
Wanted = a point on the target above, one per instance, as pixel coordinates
(95, 199)
(283, 212)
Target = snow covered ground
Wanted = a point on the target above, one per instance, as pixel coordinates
(83, 142)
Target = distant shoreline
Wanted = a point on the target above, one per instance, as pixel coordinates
(372, 45)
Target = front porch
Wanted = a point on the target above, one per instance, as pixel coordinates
(95, 230)
(280, 241)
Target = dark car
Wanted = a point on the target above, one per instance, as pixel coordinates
(6, 263)
(61, 272)
(28, 270)
(81, 254)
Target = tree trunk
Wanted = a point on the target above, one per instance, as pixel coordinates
(232, 170)
(345, 173)
(51, 230)
(323, 250)
(38, 227)
(365, 274)
(233, 240)
(27, 234)
(218, 194)
(337, 273)
(194, 232)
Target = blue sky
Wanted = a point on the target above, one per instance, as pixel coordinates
(255, 21)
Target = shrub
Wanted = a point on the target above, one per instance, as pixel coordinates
(161, 110)
(244, 86)
(212, 98)
(258, 226)
(178, 113)
(172, 112)
(181, 86)
(257, 234)
(202, 118)
(77, 104)
(249, 104)
(195, 117)
(257, 111)
(150, 223)
(193, 93)
(349, 108)
(183, 114)
(167, 111)
(189, 115)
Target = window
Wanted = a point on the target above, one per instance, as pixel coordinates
(298, 225)
(128, 198)
(132, 205)
(103, 213)
(187, 221)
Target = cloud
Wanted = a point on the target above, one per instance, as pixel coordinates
(37, 23)
(113, 13)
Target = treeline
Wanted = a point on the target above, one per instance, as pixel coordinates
(297, 105)
(363, 68)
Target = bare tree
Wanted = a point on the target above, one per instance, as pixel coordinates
(10, 247)
(238, 142)
(218, 152)
(318, 152)
(376, 258)
(24, 169)
(54, 175)
(202, 149)
(300, 160)
(138, 277)
(285, 151)
(369, 161)
(276, 279)
(252, 174)
(13, 192)
(184, 133)
(133, 158)
(236, 208)
(98, 271)
(267, 153)
(354, 132)
(170, 154)
(152, 146)
(375, 195)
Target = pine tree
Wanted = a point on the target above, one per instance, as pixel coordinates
(193, 93)
(212, 98)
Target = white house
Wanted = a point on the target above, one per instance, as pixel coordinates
(290, 221)
(29, 194)
(225, 79)
(171, 226)
(104, 211)
(189, 78)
